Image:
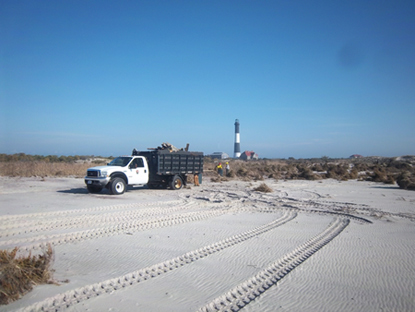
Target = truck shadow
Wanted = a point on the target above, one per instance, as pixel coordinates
(396, 187)
(78, 190)
(83, 190)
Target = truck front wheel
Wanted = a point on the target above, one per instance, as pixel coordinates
(176, 183)
(117, 186)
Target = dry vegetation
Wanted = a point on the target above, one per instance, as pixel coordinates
(43, 169)
(18, 275)
(389, 170)
(263, 188)
(400, 170)
(22, 165)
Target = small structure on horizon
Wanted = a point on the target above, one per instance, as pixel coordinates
(249, 155)
(218, 155)
(356, 156)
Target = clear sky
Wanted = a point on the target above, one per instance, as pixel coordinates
(305, 78)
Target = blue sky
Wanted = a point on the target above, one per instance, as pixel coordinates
(305, 78)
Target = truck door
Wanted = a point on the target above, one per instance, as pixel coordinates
(138, 171)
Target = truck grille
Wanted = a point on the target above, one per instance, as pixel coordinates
(92, 173)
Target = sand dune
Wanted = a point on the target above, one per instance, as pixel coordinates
(307, 246)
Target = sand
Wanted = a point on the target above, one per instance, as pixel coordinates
(307, 246)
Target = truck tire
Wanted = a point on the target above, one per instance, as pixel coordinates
(176, 183)
(117, 186)
(94, 189)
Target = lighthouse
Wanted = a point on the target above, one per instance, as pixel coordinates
(237, 149)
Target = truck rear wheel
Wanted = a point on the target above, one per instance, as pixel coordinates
(176, 183)
(117, 186)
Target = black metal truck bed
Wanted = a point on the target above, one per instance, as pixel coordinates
(166, 162)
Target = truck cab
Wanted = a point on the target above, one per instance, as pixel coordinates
(122, 171)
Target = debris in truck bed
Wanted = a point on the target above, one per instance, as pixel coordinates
(169, 147)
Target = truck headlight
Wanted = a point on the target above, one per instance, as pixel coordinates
(103, 174)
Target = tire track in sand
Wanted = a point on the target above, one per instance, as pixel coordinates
(272, 203)
(39, 242)
(64, 213)
(244, 293)
(35, 224)
(73, 297)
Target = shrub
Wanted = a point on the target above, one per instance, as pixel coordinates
(231, 174)
(308, 174)
(275, 175)
(242, 172)
(400, 165)
(337, 172)
(406, 181)
(390, 179)
(378, 175)
(317, 167)
(354, 174)
(263, 188)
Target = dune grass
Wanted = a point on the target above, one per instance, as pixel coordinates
(18, 274)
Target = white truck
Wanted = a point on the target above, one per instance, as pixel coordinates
(156, 169)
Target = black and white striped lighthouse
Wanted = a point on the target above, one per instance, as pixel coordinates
(237, 149)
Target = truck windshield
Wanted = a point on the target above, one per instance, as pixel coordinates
(120, 161)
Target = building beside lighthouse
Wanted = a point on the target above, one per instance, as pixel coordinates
(218, 155)
(237, 147)
(249, 155)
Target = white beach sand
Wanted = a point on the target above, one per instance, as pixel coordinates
(307, 246)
